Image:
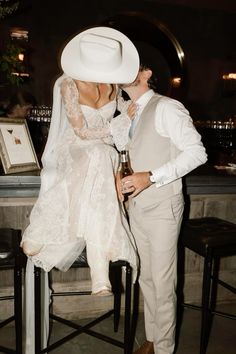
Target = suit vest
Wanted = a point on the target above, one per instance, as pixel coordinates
(148, 151)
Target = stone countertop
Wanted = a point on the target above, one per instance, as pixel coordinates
(206, 179)
(203, 180)
(19, 186)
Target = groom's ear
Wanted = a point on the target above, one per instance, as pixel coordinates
(148, 74)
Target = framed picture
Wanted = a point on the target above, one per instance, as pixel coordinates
(16, 148)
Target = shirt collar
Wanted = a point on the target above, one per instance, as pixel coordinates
(143, 100)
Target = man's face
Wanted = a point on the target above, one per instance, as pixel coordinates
(135, 83)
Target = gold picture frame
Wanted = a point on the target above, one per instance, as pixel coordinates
(16, 148)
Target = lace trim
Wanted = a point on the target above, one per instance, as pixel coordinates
(70, 97)
(120, 127)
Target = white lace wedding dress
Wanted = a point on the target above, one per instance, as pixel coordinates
(81, 208)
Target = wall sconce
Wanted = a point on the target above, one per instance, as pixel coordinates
(19, 33)
(19, 37)
(21, 67)
(14, 63)
(20, 74)
(176, 82)
(21, 56)
(229, 83)
(230, 76)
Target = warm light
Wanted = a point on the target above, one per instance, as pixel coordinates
(21, 56)
(230, 76)
(19, 33)
(20, 74)
(176, 81)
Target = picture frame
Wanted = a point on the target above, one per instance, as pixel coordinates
(17, 151)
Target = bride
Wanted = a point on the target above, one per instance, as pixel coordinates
(77, 204)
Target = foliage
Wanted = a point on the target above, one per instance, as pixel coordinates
(10, 63)
(7, 7)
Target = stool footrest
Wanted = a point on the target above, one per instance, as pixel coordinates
(72, 293)
(8, 297)
(225, 285)
(224, 314)
(77, 326)
(217, 313)
(82, 329)
(5, 322)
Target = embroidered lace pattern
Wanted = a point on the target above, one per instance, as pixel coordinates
(82, 208)
(100, 127)
(82, 127)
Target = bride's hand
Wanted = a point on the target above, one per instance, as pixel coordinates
(131, 111)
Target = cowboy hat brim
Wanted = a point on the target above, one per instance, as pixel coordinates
(74, 65)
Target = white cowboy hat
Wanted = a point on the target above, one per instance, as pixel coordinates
(101, 54)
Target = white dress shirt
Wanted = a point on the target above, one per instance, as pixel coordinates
(172, 120)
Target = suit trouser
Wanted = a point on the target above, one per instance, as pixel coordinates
(156, 229)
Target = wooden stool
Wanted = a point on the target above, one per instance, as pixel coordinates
(11, 257)
(116, 281)
(211, 238)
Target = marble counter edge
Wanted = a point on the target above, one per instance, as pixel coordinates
(19, 186)
(28, 186)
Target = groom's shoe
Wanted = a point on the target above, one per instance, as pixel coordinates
(146, 348)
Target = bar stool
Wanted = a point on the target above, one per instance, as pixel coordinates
(211, 238)
(11, 257)
(115, 271)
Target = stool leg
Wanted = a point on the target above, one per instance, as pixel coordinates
(18, 302)
(127, 329)
(214, 283)
(37, 309)
(116, 282)
(135, 312)
(206, 290)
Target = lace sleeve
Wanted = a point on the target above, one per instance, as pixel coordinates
(122, 105)
(121, 124)
(120, 127)
(70, 97)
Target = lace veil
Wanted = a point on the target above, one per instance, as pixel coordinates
(56, 130)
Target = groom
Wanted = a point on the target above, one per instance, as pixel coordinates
(164, 146)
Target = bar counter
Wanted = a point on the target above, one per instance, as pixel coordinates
(204, 180)
(208, 192)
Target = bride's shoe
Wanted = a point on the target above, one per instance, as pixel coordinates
(103, 292)
(31, 248)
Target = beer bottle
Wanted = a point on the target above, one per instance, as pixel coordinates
(126, 169)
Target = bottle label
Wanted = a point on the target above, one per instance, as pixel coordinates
(124, 156)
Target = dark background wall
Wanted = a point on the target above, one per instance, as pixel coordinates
(205, 31)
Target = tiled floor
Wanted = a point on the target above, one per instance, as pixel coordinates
(222, 339)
